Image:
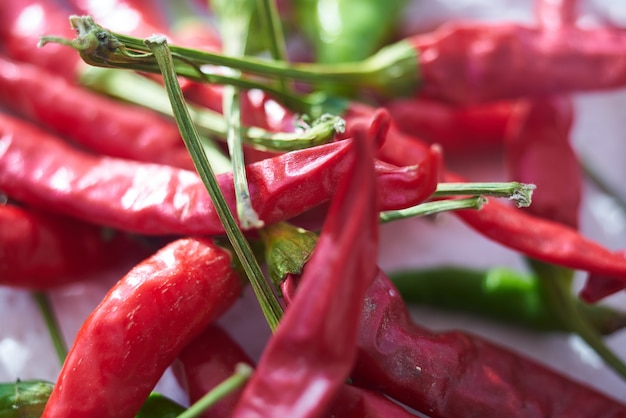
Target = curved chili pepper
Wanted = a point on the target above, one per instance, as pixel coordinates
(598, 286)
(207, 361)
(39, 250)
(453, 374)
(456, 129)
(100, 124)
(138, 329)
(466, 63)
(535, 237)
(538, 151)
(41, 170)
(308, 358)
(500, 294)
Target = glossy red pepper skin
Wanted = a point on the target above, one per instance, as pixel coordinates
(23, 22)
(153, 199)
(207, 361)
(39, 250)
(138, 329)
(538, 151)
(453, 374)
(464, 63)
(456, 129)
(310, 355)
(98, 123)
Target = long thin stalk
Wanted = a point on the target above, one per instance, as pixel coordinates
(269, 303)
(52, 324)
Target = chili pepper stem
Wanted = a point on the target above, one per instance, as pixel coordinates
(268, 301)
(391, 71)
(47, 312)
(242, 373)
(431, 208)
(554, 281)
(520, 193)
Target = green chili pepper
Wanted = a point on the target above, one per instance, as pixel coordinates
(347, 30)
(501, 294)
(24, 399)
(159, 406)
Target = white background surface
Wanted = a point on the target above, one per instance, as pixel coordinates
(26, 352)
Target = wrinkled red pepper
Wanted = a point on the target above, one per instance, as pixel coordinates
(454, 374)
(207, 361)
(41, 170)
(39, 250)
(98, 123)
(311, 353)
(138, 329)
(466, 63)
(538, 151)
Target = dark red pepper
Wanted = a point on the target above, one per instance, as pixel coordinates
(138, 329)
(207, 361)
(454, 374)
(311, 353)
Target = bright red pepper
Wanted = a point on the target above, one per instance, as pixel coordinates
(138, 329)
(454, 374)
(456, 129)
(465, 63)
(311, 353)
(98, 123)
(23, 22)
(207, 361)
(538, 151)
(39, 250)
(41, 170)
(356, 402)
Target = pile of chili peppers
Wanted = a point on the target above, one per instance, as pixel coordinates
(107, 182)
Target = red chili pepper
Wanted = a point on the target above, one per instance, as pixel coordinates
(554, 14)
(39, 250)
(22, 23)
(467, 63)
(535, 237)
(206, 362)
(538, 150)
(456, 129)
(39, 169)
(311, 353)
(355, 402)
(138, 329)
(597, 286)
(98, 123)
(454, 374)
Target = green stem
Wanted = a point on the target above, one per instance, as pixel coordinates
(268, 301)
(52, 324)
(274, 35)
(431, 208)
(234, 23)
(520, 193)
(392, 71)
(555, 282)
(241, 375)
(139, 90)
